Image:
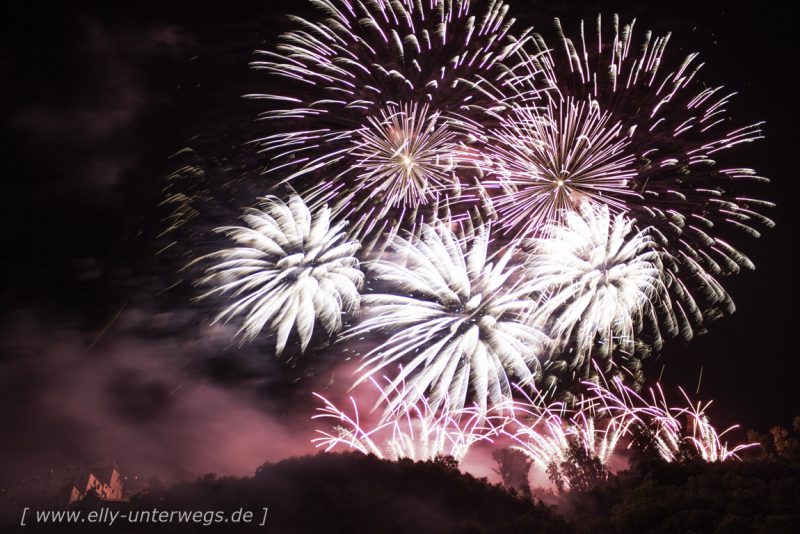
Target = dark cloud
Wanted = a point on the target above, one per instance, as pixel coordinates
(64, 397)
(90, 122)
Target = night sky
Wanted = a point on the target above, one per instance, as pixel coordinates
(100, 355)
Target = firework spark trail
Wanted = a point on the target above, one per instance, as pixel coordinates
(546, 431)
(536, 428)
(662, 139)
(600, 422)
(454, 322)
(599, 281)
(672, 428)
(416, 431)
(292, 269)
(704, 438)
(368, 60)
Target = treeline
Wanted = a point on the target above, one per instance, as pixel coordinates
(352, 493)
(760, 494)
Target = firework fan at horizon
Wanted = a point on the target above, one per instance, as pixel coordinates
(672, 437)
(626, 127)
(453, 319)
(610, 417)
(597, 281)
(547, 432)
(676, 433)
(362, 62)
(418, 432)
(291, 270)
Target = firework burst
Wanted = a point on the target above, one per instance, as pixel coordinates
(598, 281)
(406, 157)
(455, 324)
(291, 270)
(545, 163)
(603, 169)
(370, 81)
(612, 124)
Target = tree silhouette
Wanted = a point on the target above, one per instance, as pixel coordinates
(513, 467)
(581, 470)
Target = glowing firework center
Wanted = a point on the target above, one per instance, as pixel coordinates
(405, 157)
(551, 160)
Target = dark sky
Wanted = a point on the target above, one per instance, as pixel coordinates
(95, 97)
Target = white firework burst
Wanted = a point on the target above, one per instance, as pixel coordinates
(544, 163)
(455, 324)
(290, 270)
(598, 279)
